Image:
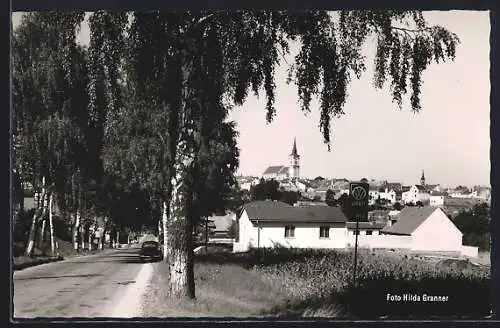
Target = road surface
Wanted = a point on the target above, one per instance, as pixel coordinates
(108, 284)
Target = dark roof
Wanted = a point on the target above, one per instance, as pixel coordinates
(393, 185)
(437, 193)
(421, 188)
(274, 169)
(410, 218)
(365, 225)
(273, 211)
(405, 188)
(379, 212)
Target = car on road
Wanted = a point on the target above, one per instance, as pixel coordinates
(151, 250)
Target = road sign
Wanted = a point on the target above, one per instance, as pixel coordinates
(359, 193)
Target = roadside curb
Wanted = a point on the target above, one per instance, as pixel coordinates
(20, 266)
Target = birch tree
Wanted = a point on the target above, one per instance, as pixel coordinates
(195, 63)
(47, 78)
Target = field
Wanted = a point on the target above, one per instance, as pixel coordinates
(310, 283)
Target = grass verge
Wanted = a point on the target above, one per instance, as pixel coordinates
(222, 290)
(293, 283)
(23, 262)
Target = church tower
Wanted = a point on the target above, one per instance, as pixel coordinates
(294, 162)
(422, 179)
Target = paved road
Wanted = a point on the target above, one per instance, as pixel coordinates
(89, 286)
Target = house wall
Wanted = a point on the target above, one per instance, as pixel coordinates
(362, 232)
(424, 197)
(437, 233)
(381, 241)
(436, 200)
(389, 195)
(470, 251)
(306, 236)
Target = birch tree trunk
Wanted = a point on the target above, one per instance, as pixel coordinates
(41, 240)
(76, 228)
(101, 240)
(90, 239)
(39, 213)
(51, 224)
(31, 237)
(164, 229)
(180, 236)
(82, 236)
(44, 205)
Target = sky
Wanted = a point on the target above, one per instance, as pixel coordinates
(449, 139)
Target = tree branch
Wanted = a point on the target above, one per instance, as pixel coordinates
(407, 30)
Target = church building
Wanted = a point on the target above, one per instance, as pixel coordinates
(281, 172)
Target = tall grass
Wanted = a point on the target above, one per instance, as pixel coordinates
(317, 278)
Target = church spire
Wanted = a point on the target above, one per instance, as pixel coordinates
(422, 179)
(294, 149)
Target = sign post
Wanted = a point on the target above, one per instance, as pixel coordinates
(359, 206)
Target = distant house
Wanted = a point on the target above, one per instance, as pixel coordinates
(246, 183)
(294, 185)
(428, 229)
(374, 194)
(433, 188)
(483, 192)
(273, 223)
(416, 193)
(437, 198)
(301, 185)
(396, 186)
(388, 194)
(222, 224)
(364, 228)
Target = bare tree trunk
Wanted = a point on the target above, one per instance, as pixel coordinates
(39, 213)
(31, 237)
(82, 236)
(101, 239)
(76, 228)
(180, 237)
(44, 204)
(51, 224)
(90, 239)
(41, 240)
(164, 221)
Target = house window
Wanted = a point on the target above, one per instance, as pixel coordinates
(355, 232)
(369, 232)
(289, 231)
(324, 232)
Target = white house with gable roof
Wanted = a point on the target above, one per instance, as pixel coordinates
(273, 223)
